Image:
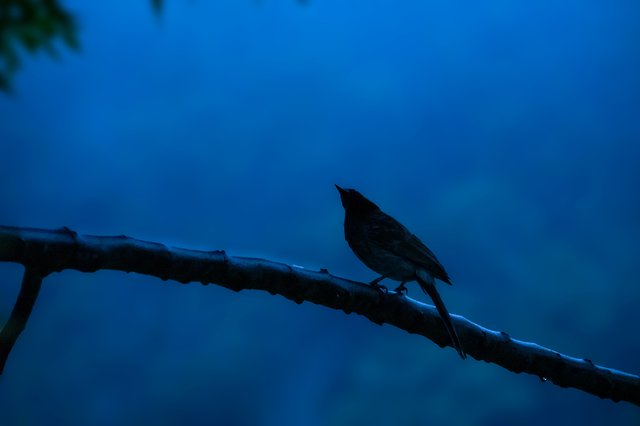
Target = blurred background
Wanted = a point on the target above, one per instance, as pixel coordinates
(506, 135)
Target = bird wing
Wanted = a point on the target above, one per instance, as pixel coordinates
(388, 233)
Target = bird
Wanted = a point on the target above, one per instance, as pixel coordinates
(388, 248)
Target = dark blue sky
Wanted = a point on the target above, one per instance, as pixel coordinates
(504, 135)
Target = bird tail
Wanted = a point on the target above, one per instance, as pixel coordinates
(428, 285)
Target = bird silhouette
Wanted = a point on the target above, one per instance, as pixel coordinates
(390, 249)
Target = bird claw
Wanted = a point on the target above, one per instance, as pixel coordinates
(380, 288)
(401, 290)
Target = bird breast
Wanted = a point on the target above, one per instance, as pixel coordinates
(379, 259)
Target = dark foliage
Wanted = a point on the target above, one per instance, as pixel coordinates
(32, 26)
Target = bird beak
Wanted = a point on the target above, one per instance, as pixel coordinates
(342, 191)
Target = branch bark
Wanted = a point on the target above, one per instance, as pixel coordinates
(29, 289)
(56, 250)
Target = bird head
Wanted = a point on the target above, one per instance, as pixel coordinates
(355, 202)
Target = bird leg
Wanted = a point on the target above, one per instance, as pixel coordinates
(377, 286)
(401, 289)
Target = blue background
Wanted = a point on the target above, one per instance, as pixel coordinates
(504, 134)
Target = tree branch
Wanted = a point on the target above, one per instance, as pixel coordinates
(29, 289)
(56, 250)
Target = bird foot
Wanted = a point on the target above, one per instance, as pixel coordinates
(379, 287)
(401, 290)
